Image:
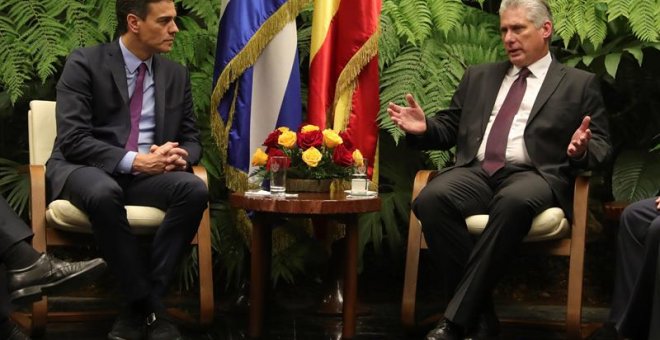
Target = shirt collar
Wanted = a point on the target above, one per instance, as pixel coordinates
(538, 69)
(131, 61)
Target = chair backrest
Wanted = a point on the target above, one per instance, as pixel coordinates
(42, 130)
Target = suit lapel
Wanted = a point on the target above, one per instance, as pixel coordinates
(118, 70)
(159, 94)
(555, 74)
(492, 87)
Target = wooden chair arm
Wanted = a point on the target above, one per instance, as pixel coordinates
(200, 172)
(37, 175)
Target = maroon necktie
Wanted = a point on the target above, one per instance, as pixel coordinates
(499, 132)
(136, 109)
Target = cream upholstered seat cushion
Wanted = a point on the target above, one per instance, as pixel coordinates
(551, 224)
(63, 215)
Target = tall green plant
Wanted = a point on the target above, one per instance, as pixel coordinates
(598, 33)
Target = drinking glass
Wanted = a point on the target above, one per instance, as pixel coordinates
(278, 166)
(359, 181)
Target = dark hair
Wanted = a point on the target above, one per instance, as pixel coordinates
(125, 7)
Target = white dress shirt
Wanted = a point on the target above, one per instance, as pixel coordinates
(516, 152)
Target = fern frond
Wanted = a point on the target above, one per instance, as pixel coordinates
(208, 10)
(643, 21)
(106, 17)
(14, 66)
(596, 23)
(389, 45)
(618, 8)
(411, 18)
(563, 19)
(446, 14)
(82, 28)
(401, 77)
(41, 31)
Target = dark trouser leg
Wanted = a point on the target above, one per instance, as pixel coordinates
(101, 197)
(12, 227)
(519, 197)
(637, 253)
(184, 197)
(442, 207)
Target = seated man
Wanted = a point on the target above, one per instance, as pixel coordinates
(521, 128)
(636, 274)
(29, 274)
(126, 135)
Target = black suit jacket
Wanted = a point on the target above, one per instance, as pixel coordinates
(93, 116)
(566, 96)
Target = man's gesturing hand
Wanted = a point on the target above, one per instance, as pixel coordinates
(410, 119)
(580, 140)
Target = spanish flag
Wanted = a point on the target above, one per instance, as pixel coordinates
(343, 74)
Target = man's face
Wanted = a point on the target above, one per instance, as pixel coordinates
(524, 43)
(156, 32)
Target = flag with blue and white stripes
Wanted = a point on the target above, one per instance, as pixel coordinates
(256, 80)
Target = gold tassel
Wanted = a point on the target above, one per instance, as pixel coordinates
(347, 80)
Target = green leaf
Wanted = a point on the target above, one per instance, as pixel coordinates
(637, 53)
(612, 61)
(635, 175)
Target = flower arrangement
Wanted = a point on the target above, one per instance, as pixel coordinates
(312, 153)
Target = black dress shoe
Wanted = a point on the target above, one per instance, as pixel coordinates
(129, 325)
(49, 275)
(160, 327)
(11, 332)
(446, 330)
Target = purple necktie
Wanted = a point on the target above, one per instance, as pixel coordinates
(136, 109)
(499, 133)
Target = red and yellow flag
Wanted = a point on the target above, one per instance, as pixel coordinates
(343, 81)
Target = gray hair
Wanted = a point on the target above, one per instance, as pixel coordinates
(538, 11)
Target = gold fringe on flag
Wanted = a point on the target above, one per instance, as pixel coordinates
(347, 80)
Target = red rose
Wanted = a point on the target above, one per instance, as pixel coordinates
(348, 142)
(272, 152)
(309, 139)
(271, 140)
(342, 156)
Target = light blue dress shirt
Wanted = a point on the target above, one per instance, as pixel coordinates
(148, 117)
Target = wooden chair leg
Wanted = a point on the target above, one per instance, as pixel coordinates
(205, 261)
(410, 275)
(412, 258)
(39, 317)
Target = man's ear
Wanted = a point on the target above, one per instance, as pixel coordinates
(547, 30)
(133, 23)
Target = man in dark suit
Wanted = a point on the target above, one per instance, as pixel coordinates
(27, 275)
(521, 128)
(637, 279)
(126, 135)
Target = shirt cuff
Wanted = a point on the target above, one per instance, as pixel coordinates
(125, 166)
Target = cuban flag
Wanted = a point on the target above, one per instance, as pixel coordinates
(256, 81)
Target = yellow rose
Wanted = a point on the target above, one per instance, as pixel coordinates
(312, 157)
(331, 138)
(259, 158)
(358, 159)
(309, 127)
(283, 129)
(287, 139)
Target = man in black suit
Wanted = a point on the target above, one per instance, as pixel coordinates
(27, 275)
(126, 135)
(553, 123)
(637, 278)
